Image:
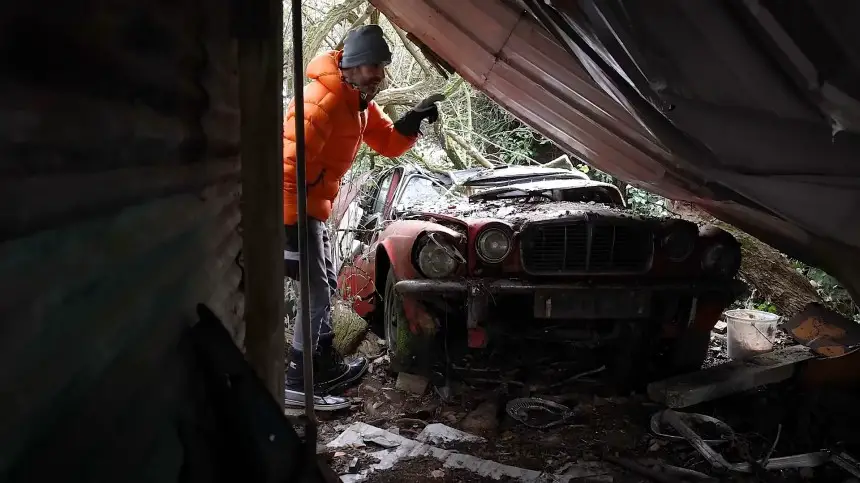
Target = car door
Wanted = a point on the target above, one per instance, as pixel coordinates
(356, 276)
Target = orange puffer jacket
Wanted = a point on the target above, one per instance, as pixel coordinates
(334, 129)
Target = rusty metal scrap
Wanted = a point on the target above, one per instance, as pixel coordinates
(847, 463)
(727, 433)
(806, 460)
(526, 411)
(826, 332)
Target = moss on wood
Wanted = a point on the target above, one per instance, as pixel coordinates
(349, 328)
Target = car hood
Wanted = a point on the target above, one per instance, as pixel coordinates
(749, 110)
(516, 213)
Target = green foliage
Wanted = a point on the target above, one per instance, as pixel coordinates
(640, 201)
(765, 307)
(645, 203)
(829, 289)
(500, 135)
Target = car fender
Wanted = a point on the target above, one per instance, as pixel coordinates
(397, 240)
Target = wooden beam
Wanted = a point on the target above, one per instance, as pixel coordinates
(260, 48)
(730, 378)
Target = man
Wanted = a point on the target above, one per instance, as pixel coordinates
(339, 115)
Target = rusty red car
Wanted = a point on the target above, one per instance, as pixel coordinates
(440, 262)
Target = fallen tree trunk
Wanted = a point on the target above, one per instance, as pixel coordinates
(764, 268)
(773, 276)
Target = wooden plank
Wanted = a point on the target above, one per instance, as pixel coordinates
(259, 29)
(730, 378)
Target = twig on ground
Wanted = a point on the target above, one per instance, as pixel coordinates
(579, 376)
(773, 447)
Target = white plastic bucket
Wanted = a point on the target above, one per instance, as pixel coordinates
(750, 332)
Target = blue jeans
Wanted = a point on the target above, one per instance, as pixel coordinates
(322, 280)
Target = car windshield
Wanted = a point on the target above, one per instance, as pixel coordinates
(420, 190)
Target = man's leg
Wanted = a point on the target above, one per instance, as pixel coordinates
(331, 279)
(331, 371)
(320, 305)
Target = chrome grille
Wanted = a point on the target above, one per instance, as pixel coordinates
(583, 247)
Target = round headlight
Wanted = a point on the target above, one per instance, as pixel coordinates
(721, 260)
(493, 245)
(436, 260)
(679, 244)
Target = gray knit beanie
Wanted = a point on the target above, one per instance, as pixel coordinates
(365, 46)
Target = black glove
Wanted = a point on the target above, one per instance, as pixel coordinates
(410, 123)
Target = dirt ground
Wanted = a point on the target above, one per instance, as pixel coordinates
(785, 417)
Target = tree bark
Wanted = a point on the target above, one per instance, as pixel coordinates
(449, 150)
(765, 269)
(407, 96)
(476, 155)
(413, 51)
(349, 328)
(773, 277)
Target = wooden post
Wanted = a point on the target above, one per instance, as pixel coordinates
(260, 35)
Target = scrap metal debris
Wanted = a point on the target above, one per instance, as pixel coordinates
(649, 446)
(847, 463)
(539, 413)
(725, 431)
(354, 438)
(806, 460)
(439, 434)
(824, 331)
(578, 377)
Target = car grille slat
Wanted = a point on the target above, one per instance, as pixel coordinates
(586, 247)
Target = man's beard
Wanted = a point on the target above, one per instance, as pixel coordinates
(368, 93)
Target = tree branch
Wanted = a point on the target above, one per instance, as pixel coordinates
(318, 32)
(355, 24)
(406, 96)
(449, 150)
(413, 51)
(502, 148)
(476, 155)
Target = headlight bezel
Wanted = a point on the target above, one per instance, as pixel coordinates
(721, 259)
(487, 231)
(712, 240)
(440, 244)
(684, 233)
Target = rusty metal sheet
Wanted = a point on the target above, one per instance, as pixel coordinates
(824, 331)
(533, 77)
(746, 149)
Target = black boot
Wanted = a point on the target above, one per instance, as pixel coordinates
(331, 373)
(294, 393)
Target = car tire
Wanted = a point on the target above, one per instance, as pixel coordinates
(393, 317)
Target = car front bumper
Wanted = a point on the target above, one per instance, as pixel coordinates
(496, 286)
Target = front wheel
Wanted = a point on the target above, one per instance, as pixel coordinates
(393, 317)
(410, 351)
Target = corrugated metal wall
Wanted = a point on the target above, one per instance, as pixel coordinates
(119, 188)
